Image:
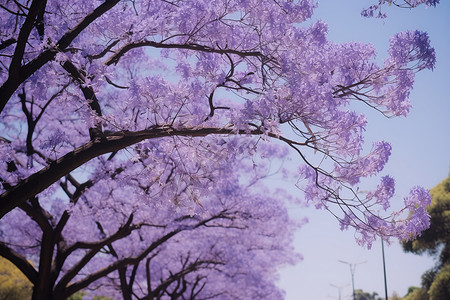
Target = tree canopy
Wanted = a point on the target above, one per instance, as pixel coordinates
(13, 284)
(435, 241)
(136, 137)
(361, 295)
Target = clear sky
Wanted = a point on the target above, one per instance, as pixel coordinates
(420, 156)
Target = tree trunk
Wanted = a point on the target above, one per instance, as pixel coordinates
(44, 285)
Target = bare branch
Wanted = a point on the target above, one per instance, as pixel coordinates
(23, 72)
(16, 62)
(7, 43)
(41, 180)
(88, 93)
(192, 46)
(105, 51)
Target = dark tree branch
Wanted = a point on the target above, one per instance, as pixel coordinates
(39, 215)
(192, 267)
(40, 19)
(75, 196)
(41, 180)
(88, 93)
(122, 232)
(46, 274)
(46, 278)
(53, 97)
(23, 72)
(148, 274)
(198, 280)
(20, 262)
(115, 84)
(7, 43)
(85, 282)
(94, 248)
(30, 122)
(125, 287)
(16, 62)
(194, 47)
(61, 243)
(105, 51)
(117, 265)
(15, 13)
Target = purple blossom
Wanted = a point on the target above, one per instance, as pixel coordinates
(384, 192)
(364, 166)
(56, 139)
(412, 46)
(418, 197)
(162, 140)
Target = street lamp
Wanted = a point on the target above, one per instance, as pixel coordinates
(384, 271)
(352, 272)
(339, 287)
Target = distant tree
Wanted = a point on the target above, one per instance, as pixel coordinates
(77, 296)
(436, 239)
(394, 296)
(101, 298)
(13, 284)
(440, 288)
(428, 277)
(416, 293)
(361, 295)
(436, 242)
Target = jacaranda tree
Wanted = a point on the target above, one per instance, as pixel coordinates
(136, 137)
(124, 246)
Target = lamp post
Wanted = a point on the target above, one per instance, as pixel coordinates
(352, 272)
(384, 271)
(339, 287)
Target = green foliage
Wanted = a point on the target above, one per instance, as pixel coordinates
(438, 233)
(415, 293)
(361, 295)
(435, 241)
(440, 288)
(411, 289)
(13, 284)
(101, 298)
(428, 278)
(77, 296)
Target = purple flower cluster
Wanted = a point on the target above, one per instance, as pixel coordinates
(364, 166)
(412, 47)
(57, 139)
(384, 192)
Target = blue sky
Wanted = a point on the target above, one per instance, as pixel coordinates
(420, 156)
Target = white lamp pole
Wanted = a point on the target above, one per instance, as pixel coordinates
(352, 272)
